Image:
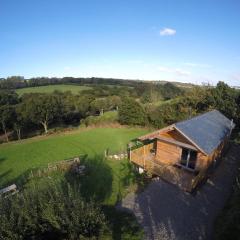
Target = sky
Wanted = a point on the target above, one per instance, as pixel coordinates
(175, 40)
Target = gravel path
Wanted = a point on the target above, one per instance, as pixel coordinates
(167, 213)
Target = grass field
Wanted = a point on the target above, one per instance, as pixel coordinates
(17, 158)
(75, 89)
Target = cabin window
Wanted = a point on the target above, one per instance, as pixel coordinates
(188, 158)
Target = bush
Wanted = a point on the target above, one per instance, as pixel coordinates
(56, 213)
(107, 117)
(132, 113)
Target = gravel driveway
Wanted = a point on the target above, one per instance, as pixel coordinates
(166, 212)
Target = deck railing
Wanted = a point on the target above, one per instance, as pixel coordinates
(184, 178)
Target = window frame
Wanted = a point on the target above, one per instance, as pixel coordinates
(186, 165)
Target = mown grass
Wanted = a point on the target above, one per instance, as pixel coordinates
(105, 181)
(75, 89)
(17, 158)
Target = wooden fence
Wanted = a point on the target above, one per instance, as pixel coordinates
(61, 166)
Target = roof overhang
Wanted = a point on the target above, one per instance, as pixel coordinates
(177, 143)
(155, 134)
(190, 140)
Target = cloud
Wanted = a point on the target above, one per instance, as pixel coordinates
(181, 72)
(202, 65)
(236, 78)
(167, 32)
(177, 71)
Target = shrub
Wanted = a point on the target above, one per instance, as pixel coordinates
(56, 213)
(107, 117)
(132, 113)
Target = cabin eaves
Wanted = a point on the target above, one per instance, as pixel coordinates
(205, 132)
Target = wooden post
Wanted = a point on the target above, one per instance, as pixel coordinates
(144, 156)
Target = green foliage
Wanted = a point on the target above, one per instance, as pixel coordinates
(167, 114)
(224, 99)
(163, 104)
(6, 118)
(41, 108)
(53, 213)
(8, 98)
(132, 113)
(170, 91)
(106, 118)
(152, 93)
(100, 105)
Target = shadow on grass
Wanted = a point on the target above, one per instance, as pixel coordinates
(20, 180)
(96, 183)
(123, 225)
(131, 176)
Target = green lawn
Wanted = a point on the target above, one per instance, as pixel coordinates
(75, 89)
(17, 158)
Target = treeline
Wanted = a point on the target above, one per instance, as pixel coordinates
(193, 102)
(30, 111)
(148, 91)
(15, 82)
(145, 104)
(22, 114)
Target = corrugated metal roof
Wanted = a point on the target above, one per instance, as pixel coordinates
(207, 130)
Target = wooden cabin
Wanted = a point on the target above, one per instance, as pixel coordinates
(183, 153)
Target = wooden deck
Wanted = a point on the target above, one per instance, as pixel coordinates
(170, 173)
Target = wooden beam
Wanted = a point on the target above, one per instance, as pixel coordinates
(181, 144)
(156, 133)
(144, 153)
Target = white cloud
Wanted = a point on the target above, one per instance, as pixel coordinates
(236, 78)
(181, 72)
(167, 32)
(202, 65)
(177, 71)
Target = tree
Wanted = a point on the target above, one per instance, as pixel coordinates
(99, 105)
(8, 97)
(83, 104)
(113, 102)
(223, 98)
(6, 118)
(19, 120)
(132, 113)
(41, 108)
(170, 91)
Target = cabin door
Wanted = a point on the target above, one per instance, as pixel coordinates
(188, 158)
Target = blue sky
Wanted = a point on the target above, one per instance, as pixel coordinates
(177, 40)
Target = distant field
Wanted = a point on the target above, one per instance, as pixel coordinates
(50, 88)
(17, 157)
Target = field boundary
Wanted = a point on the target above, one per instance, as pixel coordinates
(73, 131)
